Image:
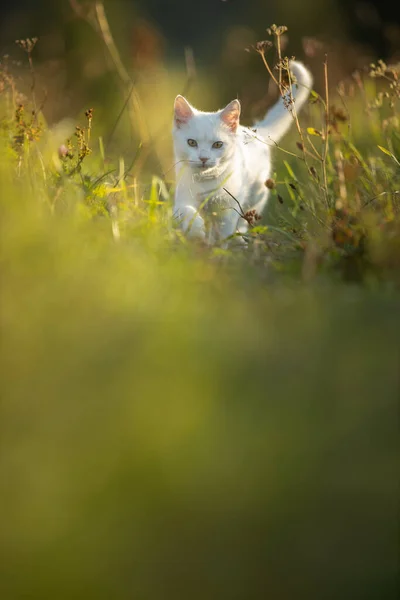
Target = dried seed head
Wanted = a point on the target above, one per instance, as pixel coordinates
(263, 46)
(270, 184)
(277, 30)
(251, 216)
(28, 44)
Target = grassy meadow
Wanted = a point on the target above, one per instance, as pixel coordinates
(186, 422)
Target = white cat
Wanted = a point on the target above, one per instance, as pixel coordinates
(213, 152)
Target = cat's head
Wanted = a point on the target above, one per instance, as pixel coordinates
(205, 139)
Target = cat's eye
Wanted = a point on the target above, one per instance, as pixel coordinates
(218, 144)
(192, 143)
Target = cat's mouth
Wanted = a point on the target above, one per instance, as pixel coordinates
(209, 172)
(205, 166)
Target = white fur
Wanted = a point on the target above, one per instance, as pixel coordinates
(241, 166)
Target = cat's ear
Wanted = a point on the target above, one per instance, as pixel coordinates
(183, 111)
(230, 115)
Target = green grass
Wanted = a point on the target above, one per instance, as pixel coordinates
(186, 422)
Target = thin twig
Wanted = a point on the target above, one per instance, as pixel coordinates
(33, 85)
(395, 193)
(295, 116)
(262, 54)
(111, 134)
(326, 141)
(236, 200)
(122, 72)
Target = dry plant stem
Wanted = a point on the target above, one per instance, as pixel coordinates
(326, 141)
(97, 19)
(262, 54)
(33, 85)
(284, 150)
(109, 42)
(122, 72)
(278, 45)
(317, 154)
(242, 213)
(43, 102)
(296, 118)
(121, 112)
(395, 193)
(279, 84)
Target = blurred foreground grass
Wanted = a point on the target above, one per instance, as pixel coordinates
(178, 422)
(174, 429)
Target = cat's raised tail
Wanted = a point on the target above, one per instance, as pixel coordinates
(281, 116)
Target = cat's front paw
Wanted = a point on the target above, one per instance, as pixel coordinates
(191, 222)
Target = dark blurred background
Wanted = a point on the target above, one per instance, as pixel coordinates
(153, 34)
(372, 23)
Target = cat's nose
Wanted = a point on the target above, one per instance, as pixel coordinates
(203, 159)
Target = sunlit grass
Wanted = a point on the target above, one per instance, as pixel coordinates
(180, 421)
